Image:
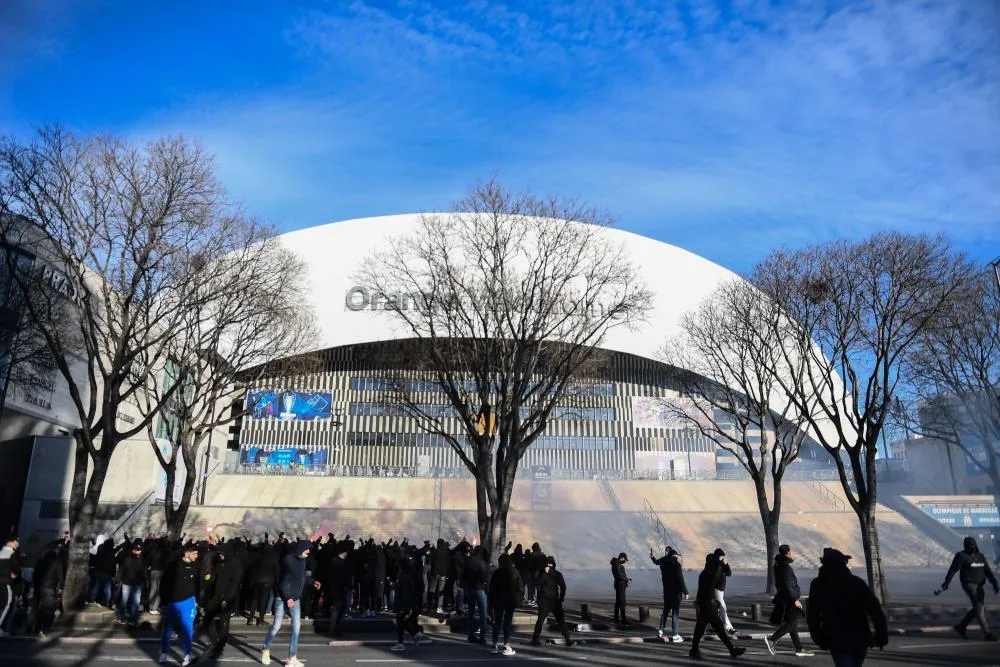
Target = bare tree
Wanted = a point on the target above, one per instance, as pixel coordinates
(954, 378)
(508, 298)
(730, 365)
(126, 228)
(242, 328)
(860, 309)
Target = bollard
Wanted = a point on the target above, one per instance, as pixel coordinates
(755, 611)
(585, 612)
(643, 613)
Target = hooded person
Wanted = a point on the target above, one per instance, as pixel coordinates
(551, 590)
(290, 584)
(723, 574)
(708, 608)
(47, 583)
(973, 571)
(10, 580)
(409, 598)
(221, 598)
(844, 616)
(476, 576)
(506, 594)
(621, 582)
(674, 587)
(787, 603)
(440, 565)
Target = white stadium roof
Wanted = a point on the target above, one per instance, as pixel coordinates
(333, 253)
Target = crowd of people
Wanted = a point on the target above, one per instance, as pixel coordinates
(199, 586)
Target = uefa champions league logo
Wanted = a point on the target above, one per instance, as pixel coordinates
(287, 401)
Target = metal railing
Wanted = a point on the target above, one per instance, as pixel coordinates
(654, 518)
(126, 519)
(828, 496)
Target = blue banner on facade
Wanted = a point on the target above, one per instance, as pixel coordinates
(285, 456)
(964, 515)
(289, 405)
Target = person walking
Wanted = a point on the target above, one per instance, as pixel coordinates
(505, 595)
(221, 600)
(720, 589)
(672, 577)
(409, 599)
(844, 616)
(265, 569)
(787, 603)
(973, 571)
(621, 582)
(133, 575)
(707, 606)
(9, 580)
(476, 574)
(179, 590)
(291, 582)
(47, 584)
(551, 591)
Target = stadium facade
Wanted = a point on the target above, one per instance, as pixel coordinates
(337, 420)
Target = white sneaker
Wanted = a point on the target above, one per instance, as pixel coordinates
(677, 639)
(265, 657)
(397, 647)
(507, 650)
(293, 661)
(440, 610)
(165, 658)
(422, 639)
(804, 653)
(659, 633)
(186, 661)
(770, 647)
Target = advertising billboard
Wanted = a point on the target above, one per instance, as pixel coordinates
(289, 405)
(964, 515)
(283, 456)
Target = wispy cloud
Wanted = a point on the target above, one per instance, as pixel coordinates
(727, 128)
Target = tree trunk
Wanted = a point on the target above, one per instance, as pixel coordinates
(176, 523)
(873, 553)
(492, 518)
(77, 584)
(769, 519)
(169, 511)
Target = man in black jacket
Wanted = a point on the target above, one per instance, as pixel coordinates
(720, 589)
(291, 582)
(672, 577)
(133, 575)
(842, 611)
(409, 598)
(440, 564)
(973, 570)
(47, 583)
(220, 601)
(179, 590)
(787, 603)
(265, 570)
(551, 591)
(621, 582)
(706, 605)
(476, 574)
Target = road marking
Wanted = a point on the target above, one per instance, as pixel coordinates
(933, 644)
(427, 660)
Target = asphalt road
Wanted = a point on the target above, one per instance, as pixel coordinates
(944, 651)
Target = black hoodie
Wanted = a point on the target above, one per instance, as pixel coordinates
(840, 606)
(672, 575)
(785, 580)
(972, 567)
(292, 578)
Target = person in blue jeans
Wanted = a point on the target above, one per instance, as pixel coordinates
(134, 577)
(179, 589)
(103, 563)
(674, 588)
(291, 582)
(476, 573)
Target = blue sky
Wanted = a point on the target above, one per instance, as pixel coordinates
(727, 128)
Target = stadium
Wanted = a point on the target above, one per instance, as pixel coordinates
(324, 451)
